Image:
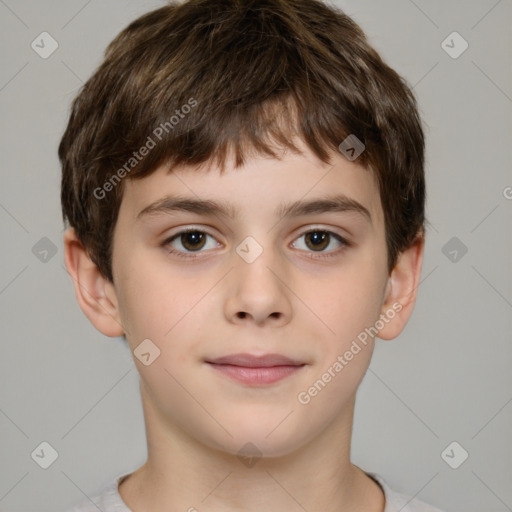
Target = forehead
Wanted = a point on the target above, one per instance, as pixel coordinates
(263, 187)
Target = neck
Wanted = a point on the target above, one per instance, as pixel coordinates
(182, 473)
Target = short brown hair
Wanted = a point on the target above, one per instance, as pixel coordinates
(215, 76)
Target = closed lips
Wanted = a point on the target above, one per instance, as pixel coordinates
(250, 361)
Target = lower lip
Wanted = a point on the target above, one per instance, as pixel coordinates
(256, 376)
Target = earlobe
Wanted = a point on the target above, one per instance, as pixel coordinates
(402, 289)
(94, 293)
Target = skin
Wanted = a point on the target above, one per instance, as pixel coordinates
(296, 303)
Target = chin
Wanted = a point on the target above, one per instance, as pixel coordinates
(256, 442)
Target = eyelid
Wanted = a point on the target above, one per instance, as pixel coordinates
(191, 227)
(298, 232)
(319, 227)
(187, 229)
(342, 239)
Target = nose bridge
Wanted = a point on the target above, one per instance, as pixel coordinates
(258, 289)
(259, 263)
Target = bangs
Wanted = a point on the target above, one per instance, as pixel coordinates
(238, 134)
(215, 80)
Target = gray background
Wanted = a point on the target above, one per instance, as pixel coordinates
(446, 378)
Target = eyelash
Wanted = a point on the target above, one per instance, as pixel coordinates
(345, 243)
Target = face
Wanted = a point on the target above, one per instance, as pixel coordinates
(304, 286)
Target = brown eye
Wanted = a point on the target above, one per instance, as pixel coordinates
(193, 240)
(317, 240)
(185, 243)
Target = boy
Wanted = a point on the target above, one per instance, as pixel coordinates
(244, 185)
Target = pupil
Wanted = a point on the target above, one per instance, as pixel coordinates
(317, 238)
(192, 238)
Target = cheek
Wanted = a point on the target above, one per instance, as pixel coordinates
(173, 314)
(349, 304)
(150, 305)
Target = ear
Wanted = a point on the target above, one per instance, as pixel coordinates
(94, 293)
(402, 289)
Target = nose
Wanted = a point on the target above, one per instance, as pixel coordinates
(259, 291)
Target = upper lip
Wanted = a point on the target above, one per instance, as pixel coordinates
(250, 361)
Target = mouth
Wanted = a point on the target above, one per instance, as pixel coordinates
(256, 370)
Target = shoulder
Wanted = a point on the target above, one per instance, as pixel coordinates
(397, 502)
(107, 500)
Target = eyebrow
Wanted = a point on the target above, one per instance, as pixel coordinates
(169, 204)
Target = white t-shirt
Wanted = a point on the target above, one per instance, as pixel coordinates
(110, 500)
